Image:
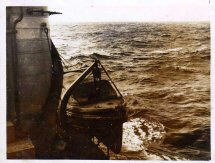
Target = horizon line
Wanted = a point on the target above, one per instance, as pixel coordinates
(163, 21)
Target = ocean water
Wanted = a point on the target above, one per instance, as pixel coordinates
(163, 72)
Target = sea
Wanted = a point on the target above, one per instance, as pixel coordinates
(163, 73)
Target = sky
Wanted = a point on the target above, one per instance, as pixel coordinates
(129, 10)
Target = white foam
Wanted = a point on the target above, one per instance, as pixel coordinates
(135, 138)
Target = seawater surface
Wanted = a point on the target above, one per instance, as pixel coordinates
(162, 70)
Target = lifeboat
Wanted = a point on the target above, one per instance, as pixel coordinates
(94, 107)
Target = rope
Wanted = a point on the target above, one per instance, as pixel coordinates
(63, 60)
(110, 78)
(47, 37)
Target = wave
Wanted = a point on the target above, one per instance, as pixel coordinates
(163, 71)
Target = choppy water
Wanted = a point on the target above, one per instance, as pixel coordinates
(163, 71)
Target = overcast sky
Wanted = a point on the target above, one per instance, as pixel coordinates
(129, 10)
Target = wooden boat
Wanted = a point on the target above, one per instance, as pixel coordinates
(94, 109)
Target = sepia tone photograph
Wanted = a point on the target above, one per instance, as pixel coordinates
(109, 80)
